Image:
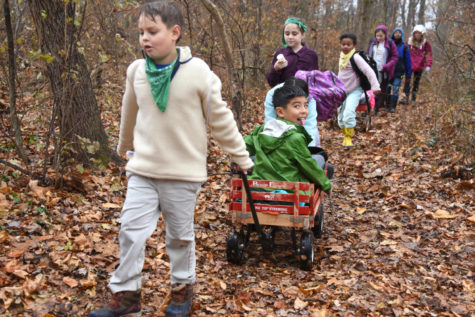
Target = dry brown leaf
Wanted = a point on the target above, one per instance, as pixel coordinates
(300, 304)
(4, 188)
(360, 211)
(471, 219)
(319, 313)
(20, 273)
(70, 282)
(376, 287)
(15, 253)
(280, 305)
(110, 205)
(11, 266)
(4, 236)
(443, 214)
(222, 285)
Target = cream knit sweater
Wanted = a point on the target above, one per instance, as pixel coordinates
(173, 144)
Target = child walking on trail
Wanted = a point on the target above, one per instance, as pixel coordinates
(421, 57)
(310, 123)
(280, 145)
(294, 56)
(347, 112)
(384, 52)
(403, 67)
(169, 98)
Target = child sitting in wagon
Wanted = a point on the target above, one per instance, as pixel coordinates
(280, 145)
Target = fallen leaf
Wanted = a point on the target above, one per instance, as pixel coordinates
(110, 205)
(4, 236)
(443, 214)
(471, 219)
(300, 304)
(319, 313)
(360, 211)
(280, 305)
(70, 282)
(20, 273)
(222, 284)
(15, 254)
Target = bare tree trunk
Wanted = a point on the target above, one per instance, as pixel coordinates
(190, 25)
(411, 15)
(11, 84)
(233, 78)
(78, 114)
(403, 17)
(422, 9)
(364, 16)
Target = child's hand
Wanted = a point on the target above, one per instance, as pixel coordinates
(281, 63)
(236, 169)
(376, 92)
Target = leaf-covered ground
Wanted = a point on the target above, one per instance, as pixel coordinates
(398, 240)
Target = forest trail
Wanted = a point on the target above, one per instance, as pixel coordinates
(398, 238)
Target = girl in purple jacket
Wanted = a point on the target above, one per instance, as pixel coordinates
(384, 52)
(421, 58)
(294, 56)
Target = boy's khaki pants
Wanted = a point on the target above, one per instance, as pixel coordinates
(146, 198)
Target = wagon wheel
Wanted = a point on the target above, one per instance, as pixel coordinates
(306, 252)
(318, 223)
(235, 247)
(267, 240)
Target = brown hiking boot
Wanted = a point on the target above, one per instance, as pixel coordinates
(180, 305)
(123, 304)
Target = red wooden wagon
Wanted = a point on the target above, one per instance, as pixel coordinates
(294, 209)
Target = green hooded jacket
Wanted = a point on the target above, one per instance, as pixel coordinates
(281, 154)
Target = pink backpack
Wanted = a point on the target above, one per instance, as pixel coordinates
(327, 89)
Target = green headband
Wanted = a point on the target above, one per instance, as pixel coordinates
(300, 24)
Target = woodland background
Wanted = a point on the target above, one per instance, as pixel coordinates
(399, 235)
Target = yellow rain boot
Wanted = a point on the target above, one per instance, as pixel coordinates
(349, 135)
(345, 138)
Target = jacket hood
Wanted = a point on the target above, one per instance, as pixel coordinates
(381, 27)
(400, 30)
(276, 132)
(420, 28)
(385, 30)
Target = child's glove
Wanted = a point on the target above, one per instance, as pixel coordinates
(427, 69)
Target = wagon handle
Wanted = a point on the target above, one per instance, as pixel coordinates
(251, 203)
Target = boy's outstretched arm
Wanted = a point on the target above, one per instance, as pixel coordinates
(223, 126)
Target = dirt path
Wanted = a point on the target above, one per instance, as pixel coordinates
(398, 239)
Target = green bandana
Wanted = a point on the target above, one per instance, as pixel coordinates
(159, 80)
(293, 20)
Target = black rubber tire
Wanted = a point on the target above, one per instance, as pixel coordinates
(306, 252)
(318, 223)
(234, 248)
(268, 241)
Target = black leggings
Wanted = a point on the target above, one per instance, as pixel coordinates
(415, 86)
(382, 98)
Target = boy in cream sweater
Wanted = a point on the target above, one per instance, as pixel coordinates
(169, 99)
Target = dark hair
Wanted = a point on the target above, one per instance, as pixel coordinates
(350, 36)
(294, 81)
(284, 94)
(169, 13)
